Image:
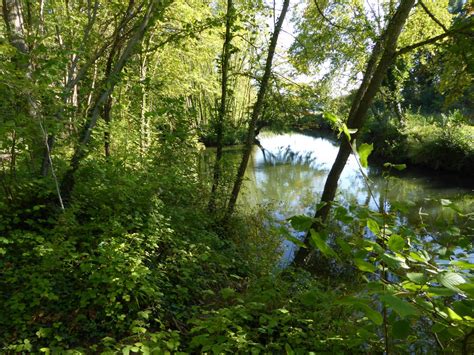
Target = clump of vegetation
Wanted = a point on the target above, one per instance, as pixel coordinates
(445, 142)
(438, 142)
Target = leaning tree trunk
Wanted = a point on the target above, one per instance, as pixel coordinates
(257, 109)
(67, 184)
(382, 57)
(222, 108)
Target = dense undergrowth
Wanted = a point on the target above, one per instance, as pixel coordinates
(138, 265)
(443, 142)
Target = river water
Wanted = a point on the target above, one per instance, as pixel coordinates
(290, 172)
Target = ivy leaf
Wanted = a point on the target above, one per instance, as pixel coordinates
(364, 152)
(402, 307)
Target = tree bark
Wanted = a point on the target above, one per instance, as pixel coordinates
(385, 49)
(222, 108)
(257, 109)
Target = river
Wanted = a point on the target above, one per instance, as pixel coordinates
(289, 174)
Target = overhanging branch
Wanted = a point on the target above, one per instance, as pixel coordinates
(430, 14)
(449, 33)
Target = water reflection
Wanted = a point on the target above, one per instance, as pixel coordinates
(290, 171)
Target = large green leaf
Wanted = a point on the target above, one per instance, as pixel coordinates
(364, 265)
(364, 151)
(396, 242)
(321, 244)
(301, 222)
(373, 226)
(451, 280)
(402, 307)
(395, 262)
(417, 277)
(468, 289)
(401, 329)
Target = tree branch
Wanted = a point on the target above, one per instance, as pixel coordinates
(430, 14)
(432, 40)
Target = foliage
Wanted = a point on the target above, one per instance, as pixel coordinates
(438, 142)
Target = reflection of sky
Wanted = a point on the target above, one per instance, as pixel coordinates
(290, 173)
(309, 160)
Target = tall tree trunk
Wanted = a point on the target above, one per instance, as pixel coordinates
(222, 108)
(385, 49)
(257, 109)
(67, 183)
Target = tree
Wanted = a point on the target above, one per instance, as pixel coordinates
(380, 60)
(226, 52)
(257, 109)
(153, 10)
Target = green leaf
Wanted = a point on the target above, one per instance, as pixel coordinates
(345, 247)
(301, 222)
(331, 117)
(453, 315)
(451, 280)
(399, 167)
(373, 226)
(402, 307)
(348, 131)
(395, 261)
(373, 315)
(463, 265)
(417, 277)
(440, 291)
(396, 242)
(296, 241)
(364, 152)
(361, 304)
(468, 289)
(321, 244)
(401, 329)
(364, 265)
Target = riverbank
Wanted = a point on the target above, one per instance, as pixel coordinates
(426, 141)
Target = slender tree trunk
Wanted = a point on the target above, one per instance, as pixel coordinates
(385, 49)
(257, 109)
(222, 108)
(67, 184)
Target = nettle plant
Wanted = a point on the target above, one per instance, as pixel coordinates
(418, 293)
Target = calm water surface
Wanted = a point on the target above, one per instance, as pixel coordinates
(290, 172)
